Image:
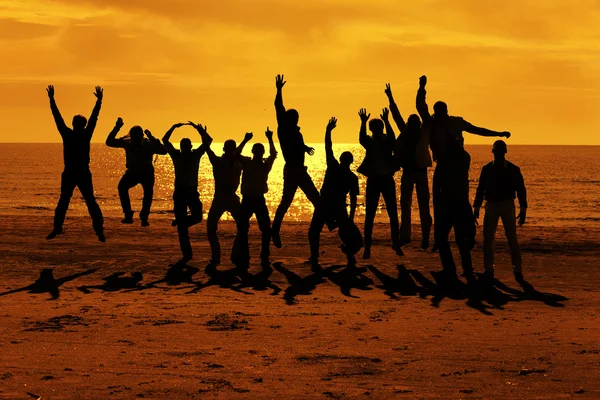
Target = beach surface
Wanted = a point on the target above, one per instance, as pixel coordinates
(96, 329)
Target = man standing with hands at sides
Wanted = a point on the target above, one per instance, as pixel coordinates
(338, 183)
(76, 154)
(295, 174)
(379, 169)
(227, 172)
(498, 183)
(451, 205)
(186, 163)
(140, 170)
(255, 173)
(411, 153)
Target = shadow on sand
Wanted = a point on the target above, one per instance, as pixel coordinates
(46, 283)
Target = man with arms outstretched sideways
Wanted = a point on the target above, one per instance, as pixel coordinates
(140, 170)
(186, 163)
(76, 153)
(499, 183)
(295, 174)
(451, 205)
(338, 183)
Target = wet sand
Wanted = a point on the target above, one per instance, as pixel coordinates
(386, 331)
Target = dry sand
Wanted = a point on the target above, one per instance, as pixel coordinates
(387, 332)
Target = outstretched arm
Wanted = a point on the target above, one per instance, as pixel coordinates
(157, 147)
(394, 109)
(330, 157)
(91, 125)
(167, 138)
(247, 137)
(422, 107)
(111, 140)
(389, 131)
(58, 119)
(279, 108)
(362, 134)
(467, 127)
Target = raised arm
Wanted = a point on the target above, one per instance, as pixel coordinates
(422, 107)
(272, 149)
(279, 108)
(467, 127)
(394, 109)
(167, 138)
(362, 134)
(330, 157)
(91, 125)
(111, 140)
(157, 146)
(247, 137)
(58, 119)
(389, 131)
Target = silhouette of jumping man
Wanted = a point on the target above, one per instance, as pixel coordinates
(140, 170)
(255, 173)
(411, 153)
(295, 174)
(186, 163)
(451, 205)
(378, 167)
(338, 183)
(76, 154)
(226, 172)
(498, 183)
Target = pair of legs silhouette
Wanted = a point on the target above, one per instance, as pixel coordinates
(410, 180)
(129, 180)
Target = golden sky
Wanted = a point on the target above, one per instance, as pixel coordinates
(528, 66)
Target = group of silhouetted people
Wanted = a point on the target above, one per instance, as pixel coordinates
(385, 154)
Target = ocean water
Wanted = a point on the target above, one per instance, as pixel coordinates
(563, 182)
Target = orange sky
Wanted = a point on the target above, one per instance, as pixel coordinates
(528, 66)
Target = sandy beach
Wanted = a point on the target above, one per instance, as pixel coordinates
(385, 331)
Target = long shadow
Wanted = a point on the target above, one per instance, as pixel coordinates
(115, 282)
(46, 283)
(176, 275)
(530, 293)
(228, 279)
(299, 285)
(349, 278)
(260, 281)
(404, 285)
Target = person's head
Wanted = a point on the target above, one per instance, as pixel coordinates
(376, 126)
(499, 148)
(136, 133)
(79, 122)
(440, 109)
(185, 145)
(292, 116)
(413, 123)
(229, 147)
(346, 158)
(258, 150)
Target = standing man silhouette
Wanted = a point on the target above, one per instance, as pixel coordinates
(378, 167)
(186, 163)
(295, 174)
(411, 153)
(76, 154)
(498, 183)
(451, 205)
(140, 170)
(338, 183)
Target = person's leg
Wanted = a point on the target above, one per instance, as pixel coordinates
(86, 188)
(240, 252)
(314, 232)
(147, 181)
(212, 223)
(264, 224)
(422, 185)
(195, 206)
(441, 231)
(180, 204)
(388, 190)
(464, 233)
(490, 224)
(509, 220)
(128, 181)
(308, 187)
(372, 201)
(290, 185)
(407, 183)
(67, 186)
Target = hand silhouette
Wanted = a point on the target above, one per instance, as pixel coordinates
(119, 122)
(279, 82)
(332, 124)
(385, 114)
(50, 90)
(248, 136)
(310, 151)
(522, 217)
(148, 133)
(269, 133)
(423, 81)
(362, 113)
(388, 90)
(476, 215)
(505, 134)
(99, 93)
(179, 125)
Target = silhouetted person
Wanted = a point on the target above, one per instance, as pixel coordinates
(411, 153)
(226, 172)
(255, 173)
(499, 181)
(338, 183)
(295, 174)
(76, 153)
(186, 163)
(140, 169)
(451, 205)
(378, 167)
